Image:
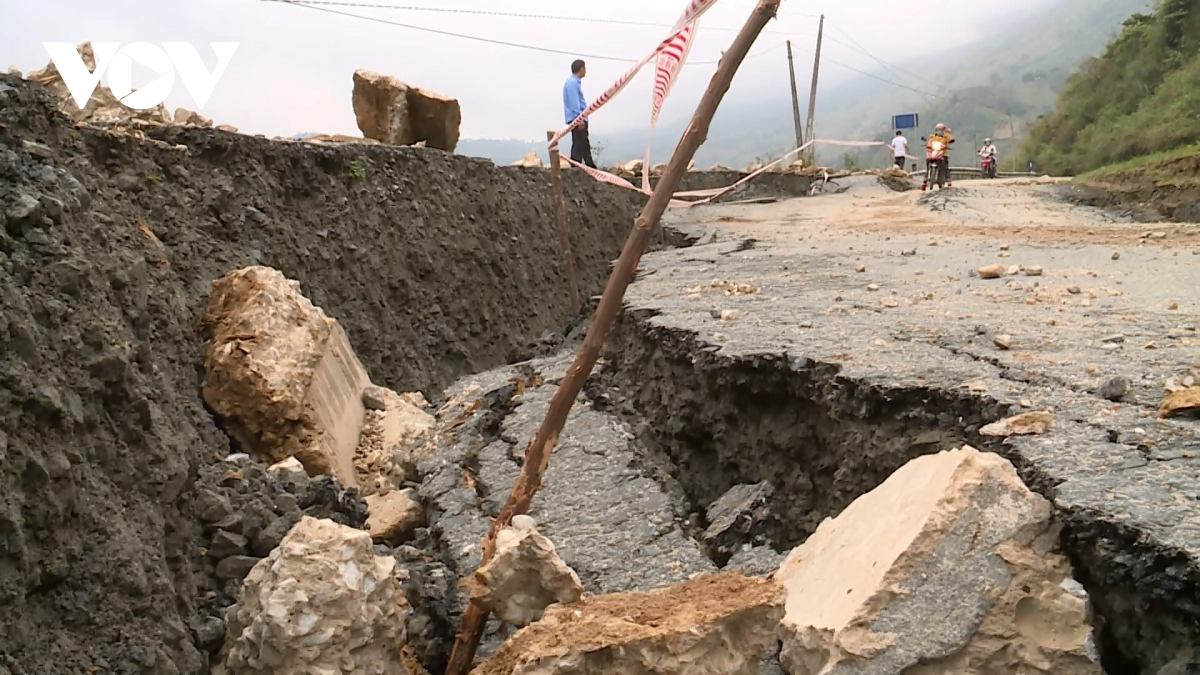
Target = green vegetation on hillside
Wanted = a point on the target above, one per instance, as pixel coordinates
(1017, 73)
(1141, 96)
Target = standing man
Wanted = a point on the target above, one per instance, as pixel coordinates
(573, 104)
(900, 149)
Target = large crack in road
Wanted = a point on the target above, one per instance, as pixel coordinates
(856, 324)
(817, 345)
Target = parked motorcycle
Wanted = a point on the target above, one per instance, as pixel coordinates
(987, 166)
(937, 165)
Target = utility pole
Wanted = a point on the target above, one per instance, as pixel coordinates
(1012, 135)
(795, 97)
(812, 95)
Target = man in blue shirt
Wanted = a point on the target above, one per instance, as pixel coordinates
(573, 104)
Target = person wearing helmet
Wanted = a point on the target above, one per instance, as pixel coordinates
(941, 133)
(988, 152)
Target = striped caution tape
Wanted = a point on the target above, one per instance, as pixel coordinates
(709, 194)
(671, 45)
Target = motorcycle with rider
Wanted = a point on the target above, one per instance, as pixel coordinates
(937, 162)
(987, 158)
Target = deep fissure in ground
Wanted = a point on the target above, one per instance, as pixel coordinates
(821, 440)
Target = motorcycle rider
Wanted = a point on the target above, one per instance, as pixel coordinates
(988, 151)
(941, 133)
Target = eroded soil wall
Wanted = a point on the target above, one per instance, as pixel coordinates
(436, 265)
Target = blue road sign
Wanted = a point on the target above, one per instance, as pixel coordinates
(906, 121)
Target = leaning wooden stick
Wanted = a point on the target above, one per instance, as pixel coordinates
(564, 235)
(537, 453)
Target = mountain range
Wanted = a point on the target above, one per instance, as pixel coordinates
(996, 87)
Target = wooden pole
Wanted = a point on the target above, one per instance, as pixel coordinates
(795, 97)
(537, 453)
(812, 94)
(564, 235)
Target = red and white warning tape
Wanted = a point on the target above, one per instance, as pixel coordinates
(673, 49)
(710, 193)
(669, 57)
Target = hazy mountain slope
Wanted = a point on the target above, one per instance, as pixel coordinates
(1020, 70)
(1140, 96)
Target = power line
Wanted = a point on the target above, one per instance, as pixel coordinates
(493, 13)
(894, 70)
(311, 4)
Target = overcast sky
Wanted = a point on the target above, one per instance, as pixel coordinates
(292, 71)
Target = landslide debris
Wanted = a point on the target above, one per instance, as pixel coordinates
(390, 111)
(948, 566)
(280, 375)
(525, 576)
(323, 602)
(103, 107)
(120, 497)
(710, 625)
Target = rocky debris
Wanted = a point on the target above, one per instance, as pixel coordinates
(991, 271)
(628, 169)
(531, 159)
(897, 180)
(742, 516)
(103, 107)
(393, 517)
(1025, 424)
(948, 566)
(374, 398)
(1032, 271)
(393, 429)
(245, 513)
(758, 561)
(1113, 389)
(710, 625)
(281, 374)
(183, 117)
(525, 576)
(1002, 342)
(289, 471)
(1181, 403)
(227, 128)
(396, 113)
(322, 602)
(322, 139)
(100, 359)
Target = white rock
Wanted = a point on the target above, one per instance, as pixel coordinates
(321, 603)
(945, 568)
(525, 576)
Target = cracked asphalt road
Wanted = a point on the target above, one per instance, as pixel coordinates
(882, 284)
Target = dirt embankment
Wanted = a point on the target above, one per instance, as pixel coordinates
(1167, 189)
(436, 265)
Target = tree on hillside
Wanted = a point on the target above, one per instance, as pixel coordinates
(1140, 96)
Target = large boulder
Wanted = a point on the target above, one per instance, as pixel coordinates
(525, 576)
(393, 112)
(103, 106)
(718, 624)
(281, 375)
(947, 567)
(323, 602)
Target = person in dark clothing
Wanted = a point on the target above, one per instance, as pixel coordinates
(573, 105)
